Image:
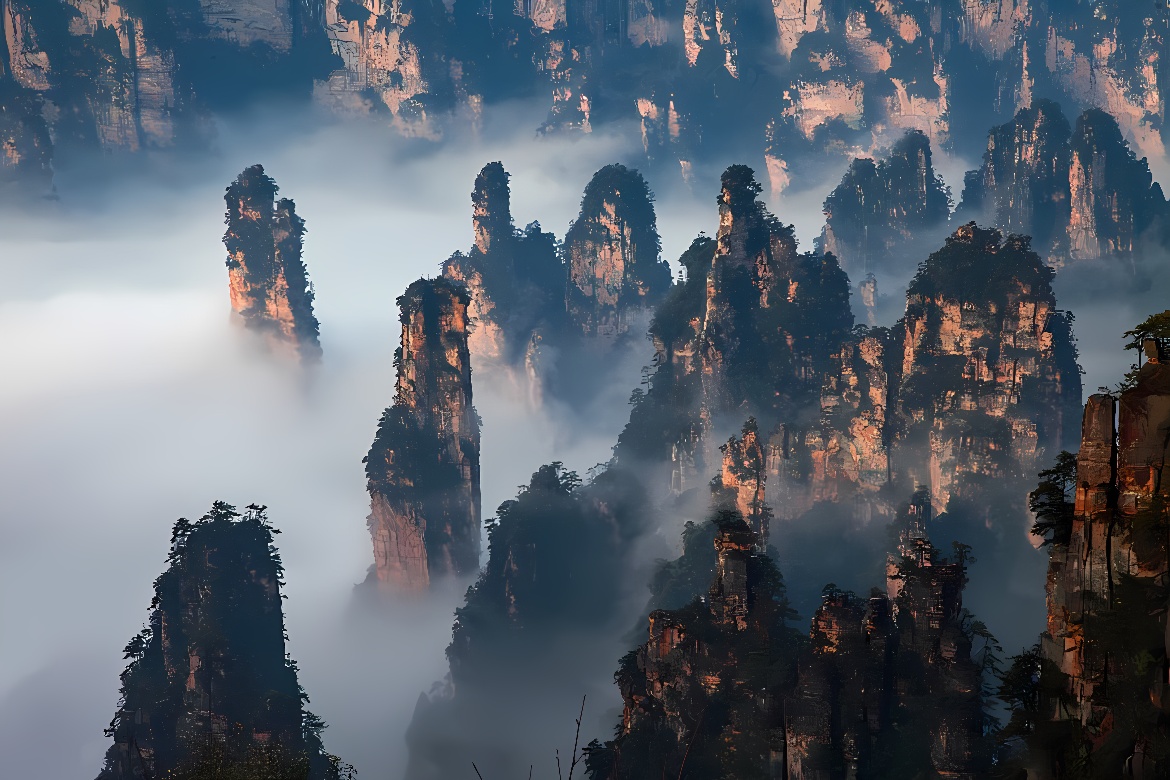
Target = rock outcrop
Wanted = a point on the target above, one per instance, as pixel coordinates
(1104, 653)
(268, 282)
(885, 687)
(704, 693)
(423, 467)
(209, 683)
(1081, 194)
(989, 381)
(888, 686)
(541, 623)
(612, 249)
(885, 210)
(514, 278)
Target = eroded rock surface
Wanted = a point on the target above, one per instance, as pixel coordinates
(423, 467)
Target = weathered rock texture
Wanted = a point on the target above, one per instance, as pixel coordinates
(116, 75)
(423, 467)
(704, 694)
(752, 331)
(1106, 638)
(612, 249)
(209, 675)
(1080, 193)
(514, 278)
(725, 682)
(975, 385)
(989, 382)
(883, 211)
(268, 281)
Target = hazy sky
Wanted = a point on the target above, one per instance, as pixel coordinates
(129, 400)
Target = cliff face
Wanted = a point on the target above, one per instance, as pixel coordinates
(209, 679)
(692, 699)
(612, 250)
(423, 467)
(1081, 194)
(765, 302)
(268, 281)
(393, 56)
(1106, 641)
(115, 75)
(989, 380)
(883, 687)
(514, 278)
(881, 210)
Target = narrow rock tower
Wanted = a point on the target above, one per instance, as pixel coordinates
(269, 284)
(423, 467)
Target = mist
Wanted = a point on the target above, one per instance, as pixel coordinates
(131, 400)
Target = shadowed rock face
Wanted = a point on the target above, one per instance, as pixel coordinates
(1081, 193)
(423, 467)
(1106, 643)
(268, 280)
(884, 685)
(613, 254)
(209, 677)
(880, 207)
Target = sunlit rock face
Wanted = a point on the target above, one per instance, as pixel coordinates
(881, 207)
(1108, 558)
(1080, 193)
(268, 281)
(615, 269)
(124, 97)
(393, 60)
(989, 381)
(423, 467)
(209, 682)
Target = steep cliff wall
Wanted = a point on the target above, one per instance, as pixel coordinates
(1106, 648)
(1080, 194)
(989, 377)
(612, 249)
(692, 699)
(209, 684)
(423, 467)
(268, 281)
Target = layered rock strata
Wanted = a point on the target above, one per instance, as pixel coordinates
(209, 685)
(268, 282)
(423, 467)
(1106, 638)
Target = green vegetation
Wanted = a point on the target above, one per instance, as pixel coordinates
(209, 691)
